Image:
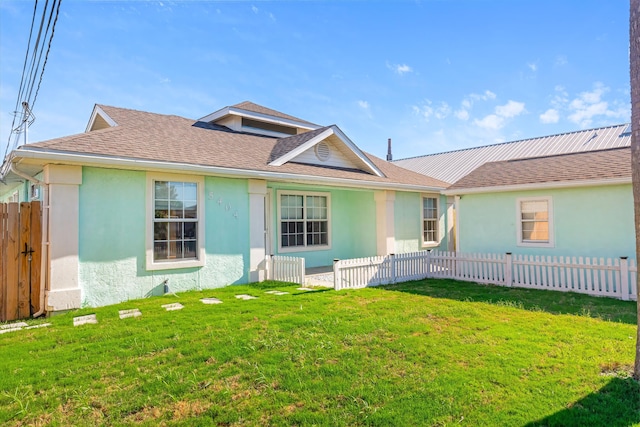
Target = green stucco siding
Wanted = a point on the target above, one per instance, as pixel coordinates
(352, 225)
(408, 222)
(112, 229)
(588, 221)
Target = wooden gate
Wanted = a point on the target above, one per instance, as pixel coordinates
(20, 259)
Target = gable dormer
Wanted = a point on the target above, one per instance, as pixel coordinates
(253, 118)
(325, 147)
(99, 120)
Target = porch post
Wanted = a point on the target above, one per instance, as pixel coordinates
(385, 222)
(63, 201)
(257, 228)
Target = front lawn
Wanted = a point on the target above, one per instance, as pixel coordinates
(433, 352)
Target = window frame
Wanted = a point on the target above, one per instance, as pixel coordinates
(535, 244)
(199, 261)
(305, 247)
(430, 243)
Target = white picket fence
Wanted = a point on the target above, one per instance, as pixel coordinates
(614, 278)
(285, 269)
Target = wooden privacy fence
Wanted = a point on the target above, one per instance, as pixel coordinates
(614, 278)
(285, 269)
(20, 259)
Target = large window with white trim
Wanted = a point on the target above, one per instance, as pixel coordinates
(175, 236)
(535, 221)
(429, 220)
(304, 220)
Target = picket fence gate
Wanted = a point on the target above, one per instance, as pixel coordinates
(615, 278)
(285, 269)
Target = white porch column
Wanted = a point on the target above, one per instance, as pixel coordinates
(385, 222)
(64, 291)
(257, 250)
(456, 205)
(451, 220)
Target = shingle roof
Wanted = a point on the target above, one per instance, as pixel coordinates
(255, 108)
(453, 165)
(168, 138)
(591, 165)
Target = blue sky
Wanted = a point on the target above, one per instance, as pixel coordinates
(432, 75)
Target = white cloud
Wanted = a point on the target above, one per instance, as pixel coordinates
(510, 109)
(532, 66)
(467, 103)
(363, 104)
(589, 105)
(491, 121)
(561, 60)
(550, 116)
(462, 114)
(400, 68)
(254, 9)
(426, 111)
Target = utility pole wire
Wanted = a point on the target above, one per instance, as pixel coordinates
(46, 56)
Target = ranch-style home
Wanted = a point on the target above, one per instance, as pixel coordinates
(140, 200)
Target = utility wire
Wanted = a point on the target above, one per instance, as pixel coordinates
(46, 56)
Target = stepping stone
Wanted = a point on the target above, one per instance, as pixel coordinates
(276, 292)
(306, 289)
(83, 320)
(245, 297)
(173, 307)
(16, 325)
(210, 301)
(42, 325)
(124, 314)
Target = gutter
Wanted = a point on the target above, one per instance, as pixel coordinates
(88, 160)
(538, 186)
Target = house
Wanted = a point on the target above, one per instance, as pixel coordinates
(574, 204)
(141, 200)
(568, 194)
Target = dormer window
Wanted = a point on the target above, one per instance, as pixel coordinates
(249, 124)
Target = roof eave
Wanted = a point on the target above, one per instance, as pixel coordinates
(129, 163)
(538, 186)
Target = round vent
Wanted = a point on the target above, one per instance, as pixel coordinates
(323, 151)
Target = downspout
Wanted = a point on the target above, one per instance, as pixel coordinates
(44, 259)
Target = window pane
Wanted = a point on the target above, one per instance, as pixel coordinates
(190, 191)
(191, 209)
(160, 250)
(175, 231)
(175, 190)
(190, 230)
(190, 249)
(161, 231)
(175, 210)
(161, 190)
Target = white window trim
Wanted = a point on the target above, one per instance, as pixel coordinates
(430, 244)
(151, 264)
(528, 244)
(304, 248)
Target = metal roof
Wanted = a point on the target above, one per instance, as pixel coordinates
(452, 165)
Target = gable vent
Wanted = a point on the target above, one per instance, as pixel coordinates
(323, 151)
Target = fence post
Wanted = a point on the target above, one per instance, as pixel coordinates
(336, 270)
(508, 269)
(624, 277)
(392, 261)
(428, 270)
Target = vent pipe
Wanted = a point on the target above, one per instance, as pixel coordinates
(389, 155)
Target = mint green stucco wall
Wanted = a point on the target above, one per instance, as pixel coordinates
(588, 221)
(112, 238)
(353, 224)
(408, 222)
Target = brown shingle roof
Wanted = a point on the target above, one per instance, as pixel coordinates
(591, 165)
(167, 138)
(255, 108)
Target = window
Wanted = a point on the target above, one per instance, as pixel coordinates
(175, 237)
(429, 220)
(535, 222)
(304, 220)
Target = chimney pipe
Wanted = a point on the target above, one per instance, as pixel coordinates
(389, 156)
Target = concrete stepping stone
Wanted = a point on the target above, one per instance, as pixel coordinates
(210, 301)
(42, 325)
(84, 320)
(245, 297)
(277, 292)
(12, 327)
(125, 314)
(307, 289)
(173, 307)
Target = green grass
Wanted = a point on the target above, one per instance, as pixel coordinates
(434, 352)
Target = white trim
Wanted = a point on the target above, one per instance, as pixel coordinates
(151, 264)
(168, 167)
(539, 186)
(533, 244)
(99, 111)
(434, 243)
(303, 248)
(333, 130)
(235, 111)
(456, 209)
